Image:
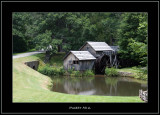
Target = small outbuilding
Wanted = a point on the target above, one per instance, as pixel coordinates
(79, 60)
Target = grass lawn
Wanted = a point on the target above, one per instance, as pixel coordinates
(31, 86)
(134, 72)
(130, 70)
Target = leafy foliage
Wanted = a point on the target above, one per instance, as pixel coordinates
(111, 71)
(52, 31)
(88, 73)
(48, 43)
(138, 51)
(21, 40)
(76, 74)
(51, 71)
(133, 38)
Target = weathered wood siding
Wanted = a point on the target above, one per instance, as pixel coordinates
(86, 65)
(68, 62)
(87, 47)
(81, 66)
(98, 53)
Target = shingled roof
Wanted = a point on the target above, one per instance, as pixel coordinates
(82, 55)
(98, 46)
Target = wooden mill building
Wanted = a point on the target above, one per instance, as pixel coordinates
(79, 60)
(92, 55)
(98, 49)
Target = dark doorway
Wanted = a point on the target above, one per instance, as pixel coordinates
(33, 67)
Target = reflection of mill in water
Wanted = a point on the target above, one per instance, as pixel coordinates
(79, 88)
(114, 88)
(106, 86)
(109, 87)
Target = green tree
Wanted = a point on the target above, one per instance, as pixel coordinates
(21, 31)
(133, 38)
(21, 40)
(111, 25)
(139, 51)
(52, 30)
(18, 32)
(46, 42)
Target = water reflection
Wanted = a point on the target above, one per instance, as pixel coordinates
(109, 86)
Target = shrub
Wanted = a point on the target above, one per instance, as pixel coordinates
(51, 71)
(88, 73)
(44, 70)
(70, 70)
(41, 63)
(111, 72)
(61, 71)
(144, 70)
(55, 71)
(79, 74)
(72, 74)
(141, 75)
(141, 72)
(76, 74)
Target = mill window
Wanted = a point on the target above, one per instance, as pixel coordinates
(75, 62)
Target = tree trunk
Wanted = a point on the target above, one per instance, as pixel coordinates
(47, 57)
(59, 48)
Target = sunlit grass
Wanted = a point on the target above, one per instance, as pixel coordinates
(135, 72)
(130, 70)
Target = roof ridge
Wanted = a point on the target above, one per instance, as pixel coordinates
(82, 56)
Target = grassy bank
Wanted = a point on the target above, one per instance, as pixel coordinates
(31, 86)
(134, 72)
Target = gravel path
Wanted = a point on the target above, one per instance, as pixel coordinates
(27, 54)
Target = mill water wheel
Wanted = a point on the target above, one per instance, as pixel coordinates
(101, 63)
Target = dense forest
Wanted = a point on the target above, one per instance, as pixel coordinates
(53, 31)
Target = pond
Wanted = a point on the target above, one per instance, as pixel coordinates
(98, 85)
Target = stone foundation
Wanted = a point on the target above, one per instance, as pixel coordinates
(32, 64)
